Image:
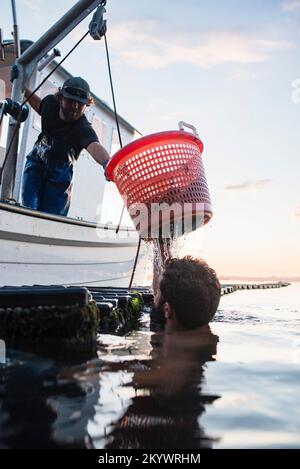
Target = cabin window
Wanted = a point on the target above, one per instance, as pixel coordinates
(101, 130)
(4, 93)
(115, 142)
(2, 89)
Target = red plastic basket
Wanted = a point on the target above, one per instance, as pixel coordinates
(164, 167)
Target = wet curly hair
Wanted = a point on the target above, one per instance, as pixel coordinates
(193, 290)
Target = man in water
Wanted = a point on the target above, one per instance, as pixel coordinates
(168, 401)
(48, 174)
(188, 295)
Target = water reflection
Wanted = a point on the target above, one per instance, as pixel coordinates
(150, 391)
(157, 402)
(44, 404)
(142, 391)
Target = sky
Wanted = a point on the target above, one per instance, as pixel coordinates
(230, 69)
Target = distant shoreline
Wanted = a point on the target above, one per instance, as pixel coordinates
(260, 279)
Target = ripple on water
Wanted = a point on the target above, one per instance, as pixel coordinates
(235, 317)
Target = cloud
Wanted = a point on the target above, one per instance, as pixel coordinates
(171, 116)
(77, 34)
(35, 7)
(248, 185)
(291, 5)
(146, 45)
(242, 75)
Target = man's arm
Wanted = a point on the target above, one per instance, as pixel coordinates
(98, 152)
(34, 101)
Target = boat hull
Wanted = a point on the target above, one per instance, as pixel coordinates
(38, 248)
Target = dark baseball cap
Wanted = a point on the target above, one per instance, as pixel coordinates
(76, 88)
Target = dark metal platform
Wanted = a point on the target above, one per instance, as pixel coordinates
(71, 313)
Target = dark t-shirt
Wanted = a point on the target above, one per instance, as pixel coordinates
(66, 139)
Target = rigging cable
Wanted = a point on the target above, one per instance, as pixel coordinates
(116, 115)
(112, 91)
(121, 145)
(135, 262)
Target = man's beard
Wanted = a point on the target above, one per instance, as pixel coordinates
(70, 115)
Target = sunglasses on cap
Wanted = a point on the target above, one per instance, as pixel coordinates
(75, 93)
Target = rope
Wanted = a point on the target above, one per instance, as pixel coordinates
(116, 116)
(56, 67)
(121, 145)
(26, 101)
(112, 91)
(135, 262)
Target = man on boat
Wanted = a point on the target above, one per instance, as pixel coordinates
(48, 173)
(187, 297)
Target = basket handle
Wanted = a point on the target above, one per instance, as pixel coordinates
(183, 124)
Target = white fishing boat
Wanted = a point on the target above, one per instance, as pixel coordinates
(85, 247)
(38, 248)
